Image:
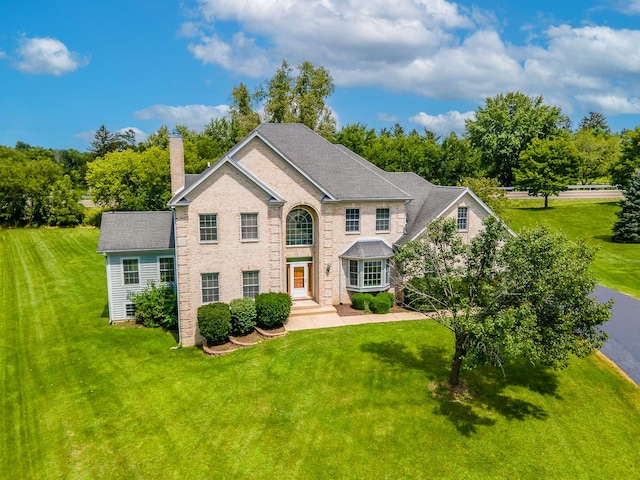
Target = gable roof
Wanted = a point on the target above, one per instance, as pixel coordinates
(136, 231)
(429, 201)
(337, 173)
(192, 182)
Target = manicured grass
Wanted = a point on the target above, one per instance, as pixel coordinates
(82, 399)
(616, 265)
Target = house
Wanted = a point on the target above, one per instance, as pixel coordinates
(284, 210)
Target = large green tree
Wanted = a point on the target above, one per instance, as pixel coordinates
(621, 170)
(505, 127)
(597, 153)
(130, 180)
(627, 228)
(503, 296)
(547, 167)
(105, 141)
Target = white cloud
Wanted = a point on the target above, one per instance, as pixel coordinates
(387, 117)
(47, 56)
(193, 116)
(90, 135)
(442, 124)
(2, 55)
(140, 135)
(630, 7)
(435, 48)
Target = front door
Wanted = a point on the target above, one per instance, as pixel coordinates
(299, 279)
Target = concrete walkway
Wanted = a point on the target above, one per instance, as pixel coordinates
(623, 346)
(326, 320)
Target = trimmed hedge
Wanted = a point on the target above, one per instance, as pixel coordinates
(214, 321)
(361, 301)
(391, 298)
(243, 315)
(272, 309)
(380, 304)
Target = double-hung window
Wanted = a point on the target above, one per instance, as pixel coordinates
(463, 218)
(369, 275)
(210, 287)
(352, 220)
(250, 283)
(130, 270)
(382, 220)
(249, 226)
(167, 270)
(209, 227)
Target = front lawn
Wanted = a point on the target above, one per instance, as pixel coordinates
(616, 265)
(82, 399)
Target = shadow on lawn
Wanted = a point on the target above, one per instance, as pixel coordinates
(485, 395)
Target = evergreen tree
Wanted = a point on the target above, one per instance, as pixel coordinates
(627, 229)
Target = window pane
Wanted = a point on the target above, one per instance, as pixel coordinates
(353, 273)
(130, 310)
(382, 219)
(130, 270)
(210, 288)
(299, 227)
(352, 217)
(209, 228)
(167, 270)
(249, 226)
(250, 283)
(372, 273)
(462, 218)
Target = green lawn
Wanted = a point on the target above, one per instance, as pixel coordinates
(616, 265)
(82, 399)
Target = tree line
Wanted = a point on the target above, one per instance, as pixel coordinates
(512, 140)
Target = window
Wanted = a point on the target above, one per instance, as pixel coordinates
(167, 270)
(382, 220)
(463, 213)
(130, 271)
(209, 228)
(210, 287)
(352, 217)
(250, 283)
(299, 227)
(369, 275)
(249, 226)
(130, 310)
(353, 273)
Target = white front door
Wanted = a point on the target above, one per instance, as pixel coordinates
(299, 279)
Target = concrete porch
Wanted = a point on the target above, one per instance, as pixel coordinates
(307, 314)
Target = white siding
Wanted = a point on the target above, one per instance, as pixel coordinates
(148, 268)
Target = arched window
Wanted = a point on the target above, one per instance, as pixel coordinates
(299, 227)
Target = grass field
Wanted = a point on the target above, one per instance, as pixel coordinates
(616, 265)
(82, 399)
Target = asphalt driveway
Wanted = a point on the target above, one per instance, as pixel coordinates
(623, 346)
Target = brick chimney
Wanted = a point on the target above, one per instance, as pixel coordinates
(176, 159)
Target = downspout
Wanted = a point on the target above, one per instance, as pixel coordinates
(175, 253)
(340, 280)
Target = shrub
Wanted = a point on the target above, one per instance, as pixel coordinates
(214, 321)
(243, 315)
(156, 306)
(272, 309)
(391, 297)
(361, 301)
(380, 304)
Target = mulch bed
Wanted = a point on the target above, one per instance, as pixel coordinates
(246, 340)
(345, 310)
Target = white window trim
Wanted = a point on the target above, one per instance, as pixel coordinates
(385, 275)
(160, 269)
(387, 230)
(252, 285)
(249, 240)
(200, 215)
(126, 307)
(466, 218)
(346, 220)
(123, 272)
(202, 288)
(313, 226)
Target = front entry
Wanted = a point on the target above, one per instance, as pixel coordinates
(299, 279)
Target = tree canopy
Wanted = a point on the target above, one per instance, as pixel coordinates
(627, 228)
(505, 127)
(621, 170)
(503, 296)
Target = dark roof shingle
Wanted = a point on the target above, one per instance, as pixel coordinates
(136, 231)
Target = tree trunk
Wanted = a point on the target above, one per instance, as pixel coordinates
(546, 201)
(456, 363)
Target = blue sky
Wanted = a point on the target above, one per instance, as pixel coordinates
(66, 67)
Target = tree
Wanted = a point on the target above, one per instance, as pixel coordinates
(488, 190)
(597, 153)
(505, 297)
(627, 228)
(105, 141)
(547, 167)
(596, 123)
(506, 126)
(131, 180)
(622, 168)
(243, 116)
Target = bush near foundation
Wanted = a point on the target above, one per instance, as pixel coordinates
(272, 309)
(243, 316)
(214, 321)
(361, 301)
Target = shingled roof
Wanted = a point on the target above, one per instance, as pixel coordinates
(368, 248)
(136, 231)
(332, 167)
(429, 201)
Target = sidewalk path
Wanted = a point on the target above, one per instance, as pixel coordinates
(623, 346)
(334, 320)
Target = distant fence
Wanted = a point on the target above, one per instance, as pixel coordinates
(573, 187)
